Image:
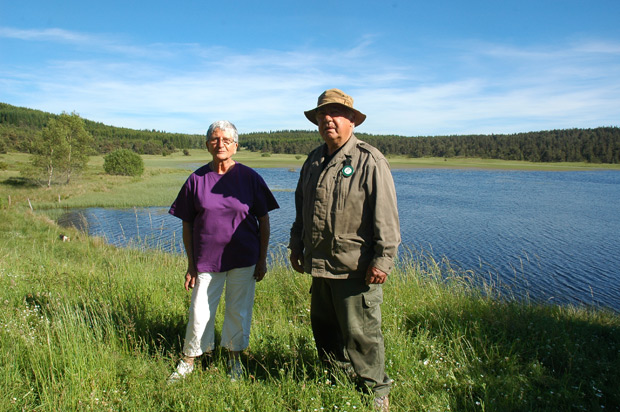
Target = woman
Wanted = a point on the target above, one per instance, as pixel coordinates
(224, 207)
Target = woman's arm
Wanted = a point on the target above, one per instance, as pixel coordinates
(264, 231)
(188, 242)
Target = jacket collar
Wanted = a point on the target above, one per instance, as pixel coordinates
(343, 151)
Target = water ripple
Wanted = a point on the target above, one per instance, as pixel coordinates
(548, 236)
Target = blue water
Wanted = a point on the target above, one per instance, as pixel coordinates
(550, 236)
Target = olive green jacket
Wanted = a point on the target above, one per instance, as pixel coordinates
(346, 224)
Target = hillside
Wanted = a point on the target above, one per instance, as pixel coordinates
(20, 126)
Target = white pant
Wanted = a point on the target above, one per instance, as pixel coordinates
(200, 333)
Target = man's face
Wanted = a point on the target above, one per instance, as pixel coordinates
(335, 125)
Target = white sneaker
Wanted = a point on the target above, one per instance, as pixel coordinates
(235, 369)
(382, 403)
(183, 369)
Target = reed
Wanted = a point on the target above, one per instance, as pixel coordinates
(86, 326)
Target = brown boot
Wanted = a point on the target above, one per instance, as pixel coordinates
(382, 403)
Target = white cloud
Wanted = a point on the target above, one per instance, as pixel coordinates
(478, 88)
(53, 35)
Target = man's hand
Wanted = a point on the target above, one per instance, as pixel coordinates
(374, 275)
(297, 261)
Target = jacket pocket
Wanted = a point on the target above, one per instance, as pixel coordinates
(342, 191)
(347, 253)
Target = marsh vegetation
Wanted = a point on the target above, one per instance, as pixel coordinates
(87, 326)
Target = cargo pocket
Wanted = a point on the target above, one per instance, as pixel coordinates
(372, 301)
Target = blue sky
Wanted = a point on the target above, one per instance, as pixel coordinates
(414, 67)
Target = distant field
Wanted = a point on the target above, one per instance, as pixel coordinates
(199, 157)
(164, 175)
(254, 159)
(462, 163)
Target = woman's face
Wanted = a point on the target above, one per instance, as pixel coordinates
(221, 145)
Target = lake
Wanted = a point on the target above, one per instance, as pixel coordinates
(550, 236)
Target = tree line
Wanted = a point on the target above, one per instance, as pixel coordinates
(598, 145)
(19, 128)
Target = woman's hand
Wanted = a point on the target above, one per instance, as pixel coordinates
(190, 279)
(260, 270)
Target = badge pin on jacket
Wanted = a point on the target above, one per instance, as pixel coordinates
(347, 169)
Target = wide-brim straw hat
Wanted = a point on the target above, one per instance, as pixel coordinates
(335, 96)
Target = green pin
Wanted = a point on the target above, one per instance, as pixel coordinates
(347, 170)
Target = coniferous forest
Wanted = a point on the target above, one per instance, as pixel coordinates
(20, 127)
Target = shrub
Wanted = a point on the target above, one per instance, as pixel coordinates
(123, 162)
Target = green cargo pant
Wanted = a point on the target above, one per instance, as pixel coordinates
(346, 322)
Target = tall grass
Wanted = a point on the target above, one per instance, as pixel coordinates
(86, 326)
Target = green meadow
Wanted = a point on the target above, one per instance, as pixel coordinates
(85, 326)
(164, 175)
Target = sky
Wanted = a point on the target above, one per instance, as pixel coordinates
(415, 68)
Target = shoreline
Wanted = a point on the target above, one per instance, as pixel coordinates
(260, 160)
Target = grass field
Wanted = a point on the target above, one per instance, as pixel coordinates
(85, 326)
(254, 159)
(164, 175)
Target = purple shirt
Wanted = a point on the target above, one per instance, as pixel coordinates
(223, 210)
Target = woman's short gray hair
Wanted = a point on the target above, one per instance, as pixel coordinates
(223, 125)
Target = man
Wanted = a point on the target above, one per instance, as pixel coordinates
(346, 234)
